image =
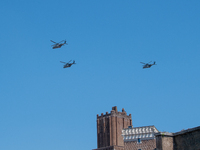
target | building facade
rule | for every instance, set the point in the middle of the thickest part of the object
(184, 140)
(139, 138)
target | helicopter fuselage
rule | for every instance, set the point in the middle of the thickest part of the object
(67, 65)
(147, 66)
(57, 46)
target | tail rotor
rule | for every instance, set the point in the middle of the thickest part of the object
(65, 42)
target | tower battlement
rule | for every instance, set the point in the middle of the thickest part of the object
(115, 112)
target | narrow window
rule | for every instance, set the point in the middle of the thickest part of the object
(139, 141)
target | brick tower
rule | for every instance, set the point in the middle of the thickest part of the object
(109, 129)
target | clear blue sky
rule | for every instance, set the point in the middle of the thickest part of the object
(46, 107)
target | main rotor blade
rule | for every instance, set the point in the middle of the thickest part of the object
(70, 61)
(150, 61)
(52, 41)
(63, 62)
(61, 41)
(142, 63)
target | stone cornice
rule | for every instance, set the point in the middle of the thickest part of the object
(144, 133)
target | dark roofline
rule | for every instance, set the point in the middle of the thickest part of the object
(188, 130)
(177, 133)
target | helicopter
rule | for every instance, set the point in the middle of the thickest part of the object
(58, 45)
(147, 65)
(68, 64)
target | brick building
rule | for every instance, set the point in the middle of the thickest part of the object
(139, 138)
(184, 140)
(115, 132)
(109, 129)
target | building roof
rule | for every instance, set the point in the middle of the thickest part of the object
(178, 133)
